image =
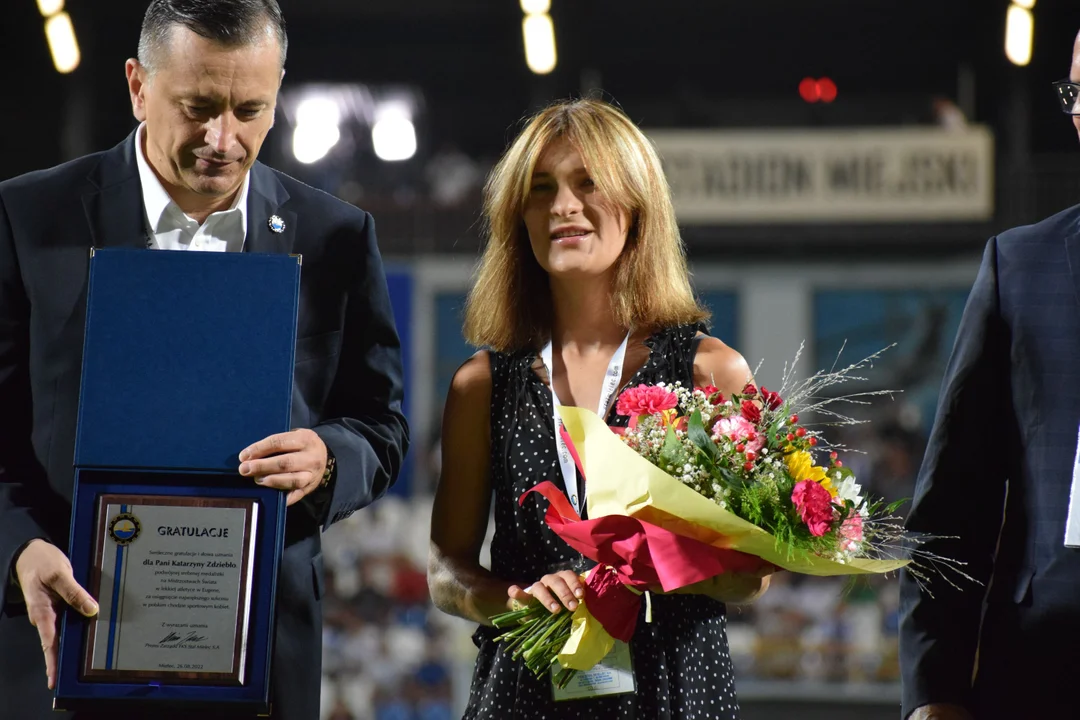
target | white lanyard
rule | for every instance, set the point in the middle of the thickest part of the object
(611, 383)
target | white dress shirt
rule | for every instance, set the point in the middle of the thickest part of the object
(169, 228)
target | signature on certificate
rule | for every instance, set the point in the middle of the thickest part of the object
(172, 637)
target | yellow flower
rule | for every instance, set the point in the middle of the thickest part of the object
(800, 466)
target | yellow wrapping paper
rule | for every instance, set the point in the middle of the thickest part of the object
(589, 642)
(621, 482)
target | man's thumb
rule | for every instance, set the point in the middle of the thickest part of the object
(75, 596)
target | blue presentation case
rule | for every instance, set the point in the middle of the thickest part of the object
(188, 359)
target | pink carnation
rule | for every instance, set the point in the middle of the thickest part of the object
(852, 531)
(645, 400)
(739, 429)
(814, 505)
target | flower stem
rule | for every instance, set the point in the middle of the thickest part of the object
(513, 617)
(563, 678)
(535, 635)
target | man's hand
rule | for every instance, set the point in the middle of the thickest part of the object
(939, 711)
(44, 574)
(293, 461)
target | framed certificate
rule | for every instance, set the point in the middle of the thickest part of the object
(173, 575)
(181, 552)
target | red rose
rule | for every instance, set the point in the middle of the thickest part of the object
(751, 412)
(712, 394)
(749, 389)
(772, 399)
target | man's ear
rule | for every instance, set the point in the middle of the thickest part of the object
(273, 118)
(137, 78)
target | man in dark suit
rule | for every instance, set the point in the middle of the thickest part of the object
(204, 88)
(1000, 468)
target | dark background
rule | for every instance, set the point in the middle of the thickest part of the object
(676, 63)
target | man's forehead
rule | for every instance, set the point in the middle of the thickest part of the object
(183, 46)
(250, 69)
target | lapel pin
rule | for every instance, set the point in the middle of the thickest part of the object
(276, 224)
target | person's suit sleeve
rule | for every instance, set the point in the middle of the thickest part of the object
(18, 511)
(960, 492)
(368, 435)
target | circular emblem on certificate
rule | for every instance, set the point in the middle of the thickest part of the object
(124, 528)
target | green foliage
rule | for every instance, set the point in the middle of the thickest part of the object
(695, 429)
(672, 454)
(894, 506)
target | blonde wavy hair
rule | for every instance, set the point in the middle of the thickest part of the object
(509, 306)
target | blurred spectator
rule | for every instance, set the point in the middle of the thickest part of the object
(896, 462)
(426, 477)
(948, 114)
(340, 712)
(453, 177)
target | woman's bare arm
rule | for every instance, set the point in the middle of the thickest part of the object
(457, 582)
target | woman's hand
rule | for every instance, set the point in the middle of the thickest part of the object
(735, 588)
(554, 591)
(738, 588)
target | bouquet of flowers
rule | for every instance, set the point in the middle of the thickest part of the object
(699, 484)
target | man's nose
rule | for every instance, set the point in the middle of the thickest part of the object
(221, 133)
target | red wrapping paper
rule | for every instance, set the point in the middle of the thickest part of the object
(641, 556)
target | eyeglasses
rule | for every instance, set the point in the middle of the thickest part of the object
(1068, 94)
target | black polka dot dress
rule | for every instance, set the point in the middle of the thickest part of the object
(682, 668)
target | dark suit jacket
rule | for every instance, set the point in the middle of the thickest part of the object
(1000, 463)
(348, 382)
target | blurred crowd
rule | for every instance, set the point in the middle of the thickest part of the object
(387, 653)
(818, 629)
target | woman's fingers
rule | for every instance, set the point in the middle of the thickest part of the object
(554, 591)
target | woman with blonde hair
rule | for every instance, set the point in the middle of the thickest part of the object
(582, 289)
